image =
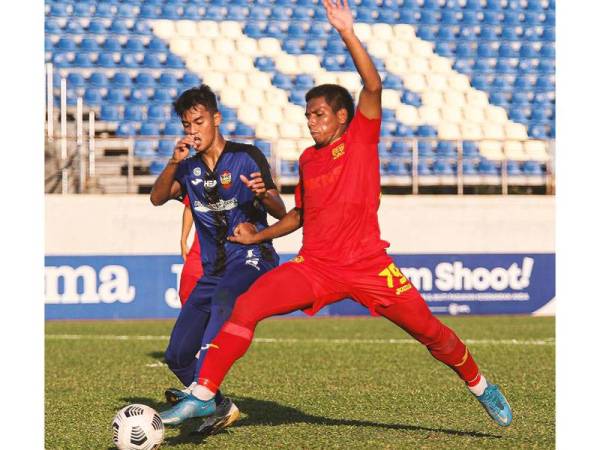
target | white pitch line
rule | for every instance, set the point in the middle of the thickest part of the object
(108, 337)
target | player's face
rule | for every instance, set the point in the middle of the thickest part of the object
(324, 124)
(202, 124)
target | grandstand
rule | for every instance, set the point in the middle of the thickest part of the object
(469, 86)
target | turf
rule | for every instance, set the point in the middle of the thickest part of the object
(330, 383)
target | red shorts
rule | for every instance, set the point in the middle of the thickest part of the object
(191, 272)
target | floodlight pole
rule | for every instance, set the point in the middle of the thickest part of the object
(49, 101)
(63, 136)
(80, 149)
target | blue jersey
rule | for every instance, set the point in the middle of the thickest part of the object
(220, 201)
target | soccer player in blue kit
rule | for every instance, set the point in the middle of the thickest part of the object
(228, 184)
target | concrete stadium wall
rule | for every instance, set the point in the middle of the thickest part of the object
(130, 225)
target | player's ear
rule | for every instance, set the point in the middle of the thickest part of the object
(217, 117)
(342, 115)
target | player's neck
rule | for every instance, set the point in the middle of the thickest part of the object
(211, 155)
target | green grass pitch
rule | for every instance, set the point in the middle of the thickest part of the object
(326, 383)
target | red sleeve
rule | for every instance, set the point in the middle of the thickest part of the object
(298, 194)
(186, 201)
(364, 130)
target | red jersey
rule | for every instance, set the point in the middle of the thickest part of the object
(338, 192)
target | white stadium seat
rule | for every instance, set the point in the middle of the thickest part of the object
(491, 150)
(266, 130)
(287, 64)
(452, 114)
(363, 31)
(429, 115)
(260, 80)
(304, 143)
(290, 130)
(459, 82)
(243, 63)
(432, 98)
(276, 96)
(269, 46)
(203, 45)
(470, 131)
(404, 32)
(350, 80)
(236, 80)
(208, 28)
(400, 48)
(325, 78)
(181, 46)
(271, 113)
(536, 150)
(219, 63)
(309, 64)
(397, 65)
(216, 80)
(390, 99)
(197, 63)
(164, 29)
(476, 98)
(231, 97)
(496, 114)
(436, 81)
(448, 131)
(246, 46)
(514, 150)
(253, 96)
(515, 131)
(286, 149)
(415, 82)
(382, 32)
(186, 28)
(224, 46)
(378, 48)
(454, 98)
(231, 29)
(473, 114)
(418, 64)
(249, 114)
(407, 114)
(492, 130)
(294, 114)
(440, 65)
(422, 48)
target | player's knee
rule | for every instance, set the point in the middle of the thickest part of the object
(177, 357)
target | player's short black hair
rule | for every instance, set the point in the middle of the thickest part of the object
(201, 95)
(335, 95)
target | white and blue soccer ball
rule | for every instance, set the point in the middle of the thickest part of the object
(137, 427)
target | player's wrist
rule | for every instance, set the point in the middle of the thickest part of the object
(173, 161)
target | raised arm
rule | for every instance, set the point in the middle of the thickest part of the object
(166, 186)
(288, 224)
(340, 17)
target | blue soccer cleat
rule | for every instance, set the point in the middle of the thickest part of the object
(496, 405)
(174, 395)
(188, 408)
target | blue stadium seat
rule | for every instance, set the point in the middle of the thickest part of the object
(190, 79)
(401, 148)
(546, 66)
(314, 47)
(282, 81)
(82, 60)
(89, 45)
(109, 113)
(66, 44)
(74, 26)
(388, 115)
(488, 33)
(148, 11)
(111, 45)
(501, 83)
(96, 26)
(511, 18)
(296, 31)
(152, 61)
(318, 30)
(134, 45)
(506, 50)
(464, 50)
(156, 113)
(252, 29)
(363, 14)
(410, 98)
(409, 15)
(487, 167)
(526, 66)
(550, 19)
(335, 46)
(75, 80)
(427, 17)
(59, 9)
(162, 95)
(492, 18)
(173, 128)
(174, 61)
(170, 12)
(445, 34)
(121, 80)
(390, 16)
(449, 17)
(446, 149)
(264, 147)
(473, 5)
(468, 168)
(480, 82)
(217, 13)
(423, 168)
(498, 98)
(116, 96)
(143, 148)
(126, 129)
(106, 60)
(518, 115)
(103, 10)
(442, 167)
(256, 13)
(505, 66)
(392, 81)
(509, 33)
(527, 50)
(142, 27)
(532, 18)
(532, 168)
(331, 63)
(470, 149)
(443, 49)
(274, 29)
(243, 130)
(540, 114)
(133, 113)
(168, 80)
(403, 130)
(426, 33)
(411, 4)
(547, 50)
(513, 169)
(431, 4)
(149, 129)
(304, 81)
(125, 10)
(129, 60)
(301, 13)
(297, 97)
(51, 26)
(519, 98)
(165, 147)
(469, 18)
(98, 80)
(156, 166)
(157, 45)
(138, 96)
(548, 34)
(92, 97)
(538, 131)
(426, 131)
(118, 26)
(280, 13)
(486, 50)
(382, 149)
(293, 46)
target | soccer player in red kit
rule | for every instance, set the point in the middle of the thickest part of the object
(342, 254)
(192, 261)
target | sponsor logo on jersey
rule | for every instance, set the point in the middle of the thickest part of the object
(252, 260)
(197, 171)
(196, 181)
(226, 179)
(210, 184)
(221, 205)
(337, 151)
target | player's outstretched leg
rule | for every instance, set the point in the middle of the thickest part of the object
(413, 315)
(188, 408)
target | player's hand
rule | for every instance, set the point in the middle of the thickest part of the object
(339, 15)
(244, 233)
(255, 184)
(182, 148)
(184, 250)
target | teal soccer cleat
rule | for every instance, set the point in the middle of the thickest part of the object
(496, 405)
(188, 408)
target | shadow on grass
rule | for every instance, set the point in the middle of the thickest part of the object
(269, 413)
(157, 355)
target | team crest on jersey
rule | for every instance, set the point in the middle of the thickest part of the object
(197, 171)
(298, 259)
(337, 151)
(226, 179)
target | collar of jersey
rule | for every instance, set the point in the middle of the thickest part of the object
(336, 142)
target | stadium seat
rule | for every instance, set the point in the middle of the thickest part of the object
(96, 26)
(173, 128)
(445, 34)
(156, 113)
(547, 51)
(152, 61)
(532, 168)
(149, 129)
(143, 148)
(138, 96)
(125, 10)
(427, 33)
(469, 18)
(442, 167)
(106, 60)
(74, 27)
(423, 168)
(118, 26)
(449, 17)
(486, 167)
(401, 148)
(109, 113)
(170, 12)
(92, 97)
(470, 149)
(133, 113)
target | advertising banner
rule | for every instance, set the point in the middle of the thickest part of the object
(142, 287)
